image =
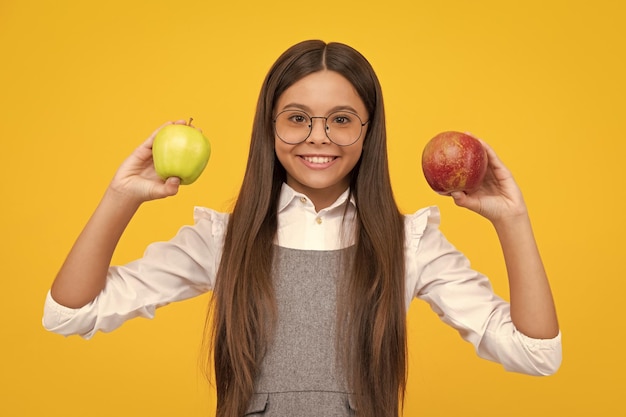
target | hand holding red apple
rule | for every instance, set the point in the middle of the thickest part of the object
(473, 175)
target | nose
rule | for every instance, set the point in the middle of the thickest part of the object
(318, 133)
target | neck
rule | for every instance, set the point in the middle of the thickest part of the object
(321, 198)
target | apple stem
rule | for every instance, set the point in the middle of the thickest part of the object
(190, 120)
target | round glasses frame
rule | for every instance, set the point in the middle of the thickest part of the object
(327, 128)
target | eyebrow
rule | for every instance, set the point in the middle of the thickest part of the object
(307, 109)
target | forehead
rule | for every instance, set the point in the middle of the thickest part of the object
(321, 92)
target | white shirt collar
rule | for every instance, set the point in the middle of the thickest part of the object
(288, 195)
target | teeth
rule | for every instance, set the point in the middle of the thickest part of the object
(318, 159)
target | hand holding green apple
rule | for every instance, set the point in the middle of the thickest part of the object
(180, 151)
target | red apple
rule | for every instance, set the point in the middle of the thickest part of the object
(454, 161)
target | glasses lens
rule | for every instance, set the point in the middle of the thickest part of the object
(344, 127)
(293, 126)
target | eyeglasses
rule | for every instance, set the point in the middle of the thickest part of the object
(343, 128)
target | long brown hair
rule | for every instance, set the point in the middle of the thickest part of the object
(372, 315)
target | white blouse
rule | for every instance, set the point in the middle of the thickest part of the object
(436, 272)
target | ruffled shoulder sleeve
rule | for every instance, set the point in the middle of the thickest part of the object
(217, 220)
(415, 225)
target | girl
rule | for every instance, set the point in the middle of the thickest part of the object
(314, 269)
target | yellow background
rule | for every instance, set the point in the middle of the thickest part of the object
(82, 83)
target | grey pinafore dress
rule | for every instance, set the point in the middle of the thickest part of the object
(299, 374)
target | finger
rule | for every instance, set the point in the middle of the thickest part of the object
(168, 188)
(461, 199)
(457, 195)
(148, 142)
(172, 184)
(497, 167)
(491, 153)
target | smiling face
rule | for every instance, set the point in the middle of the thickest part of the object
(317, 167)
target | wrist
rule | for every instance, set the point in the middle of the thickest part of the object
(512, 224)
(121, 200)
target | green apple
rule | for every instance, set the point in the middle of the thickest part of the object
(180, 151)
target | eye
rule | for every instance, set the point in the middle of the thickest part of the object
(341, 119)
(297, 118)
